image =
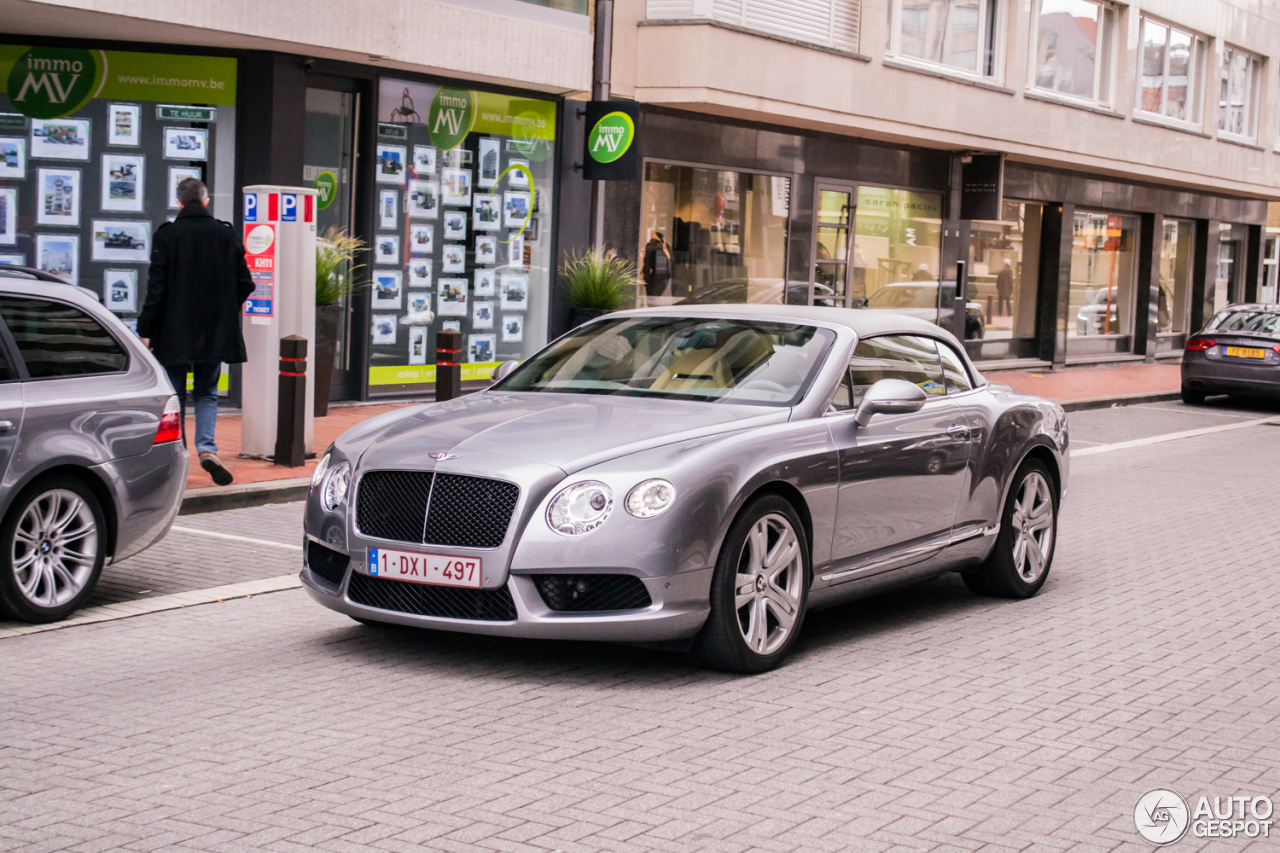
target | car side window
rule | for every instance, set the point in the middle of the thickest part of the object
(56, 339)
(954, 370)
(905, 357)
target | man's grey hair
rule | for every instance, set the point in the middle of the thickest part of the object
(192, 191)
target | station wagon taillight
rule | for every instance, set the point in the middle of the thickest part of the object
(170, 422)
(1200, 344)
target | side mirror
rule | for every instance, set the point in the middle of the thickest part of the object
(502, 371)
(890, 397)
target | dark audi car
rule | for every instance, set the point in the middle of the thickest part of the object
(1237, 353)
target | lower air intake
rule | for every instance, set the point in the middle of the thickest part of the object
(594, 593)
(420, 599)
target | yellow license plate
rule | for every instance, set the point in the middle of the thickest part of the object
(1246, 352)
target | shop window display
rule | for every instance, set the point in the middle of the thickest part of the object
(463, 178)
(1175, 275)
(1004, 261)
(1103, 269)
(86, 179)
(897, 238)
(709, 236)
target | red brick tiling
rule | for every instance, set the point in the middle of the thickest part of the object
(327, 429)
(1081, 383)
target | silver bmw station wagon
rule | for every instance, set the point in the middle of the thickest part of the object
(697, 475)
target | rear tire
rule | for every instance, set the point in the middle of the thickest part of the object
(759, 590)
(53, 544)
(1023, 554)
(1192, 397)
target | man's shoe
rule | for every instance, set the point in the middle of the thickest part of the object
(211, 463)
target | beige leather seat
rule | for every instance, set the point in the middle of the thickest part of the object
(692, 370)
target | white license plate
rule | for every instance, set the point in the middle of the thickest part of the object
(424, 568)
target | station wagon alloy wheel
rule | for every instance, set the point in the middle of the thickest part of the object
(1033, 527)
(55, 548)
(767, 587)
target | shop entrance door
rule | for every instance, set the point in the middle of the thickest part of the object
(829, 274)
(329, 154)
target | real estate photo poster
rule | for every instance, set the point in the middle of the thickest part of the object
(59, 254)
(13, 157)
(122, 187)
(8, 216)
(59, 199)
(60, 138)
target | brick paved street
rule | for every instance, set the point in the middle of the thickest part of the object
(925, 719)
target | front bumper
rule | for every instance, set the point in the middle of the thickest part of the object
(680, 604)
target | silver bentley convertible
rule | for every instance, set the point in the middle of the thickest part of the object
(698, 476)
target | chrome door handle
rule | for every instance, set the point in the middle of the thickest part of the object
(5, 426)
(958, 432)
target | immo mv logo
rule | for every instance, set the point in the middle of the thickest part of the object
(611, 137)
(48, 82)
(452, 115)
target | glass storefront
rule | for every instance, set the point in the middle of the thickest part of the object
(462, 229)
(1176, 260)
(327, 156)
(710, 235)
(896, 248)
(1227, 285)
(83, 189)
(1004, 269)
(1103, 268)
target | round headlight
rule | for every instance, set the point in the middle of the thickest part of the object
(321, 467)
(336, 486)
(580, 509)
(650, 498)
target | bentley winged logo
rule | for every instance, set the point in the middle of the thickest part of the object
(440, 457)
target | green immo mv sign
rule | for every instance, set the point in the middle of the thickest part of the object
(611, 150)
(51, 82)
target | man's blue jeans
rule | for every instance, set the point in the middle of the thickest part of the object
(204, 390)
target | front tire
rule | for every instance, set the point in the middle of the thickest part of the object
(1019, 563)
(759, 590)
(52, 547)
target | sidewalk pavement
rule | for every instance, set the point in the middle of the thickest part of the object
(259, 482)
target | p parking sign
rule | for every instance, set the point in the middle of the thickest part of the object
(612, 150)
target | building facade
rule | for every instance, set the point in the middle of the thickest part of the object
(798, 151)
(813, 151)
(431, 130)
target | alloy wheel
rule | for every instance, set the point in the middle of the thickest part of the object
(55, 548)
(769, 584)
(1032, 527)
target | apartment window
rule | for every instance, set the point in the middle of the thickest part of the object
(1238, 107)
(1075, 50)
(1170, 72)
(829, 23)
(955, 34)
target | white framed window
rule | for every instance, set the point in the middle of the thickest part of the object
(954, 35)
(1171, 73)
(1075, 47)
(1238, 102)
(828, 23)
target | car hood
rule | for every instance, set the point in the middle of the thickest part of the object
(568, 431)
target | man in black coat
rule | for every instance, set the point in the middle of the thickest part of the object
(191, 318)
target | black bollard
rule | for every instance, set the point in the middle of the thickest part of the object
(448, 365)
(291, 423)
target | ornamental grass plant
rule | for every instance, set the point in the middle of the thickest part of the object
(335, 265)
(598, 281)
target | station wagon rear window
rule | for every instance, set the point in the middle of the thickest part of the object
(753, 362)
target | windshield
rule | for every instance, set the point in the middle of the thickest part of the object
(1259, 322)
(734, 361)
(905, 296)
